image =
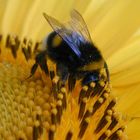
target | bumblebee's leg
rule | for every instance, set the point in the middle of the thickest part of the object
(42, 61)
(62, 72)
(90, 77)
(33, 70)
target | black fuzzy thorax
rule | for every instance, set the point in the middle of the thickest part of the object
(64, 54)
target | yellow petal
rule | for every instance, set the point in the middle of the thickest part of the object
(125, 64)
(128, 100)
(133, 130)
(113, 23)
(128, 104)
(14, 14)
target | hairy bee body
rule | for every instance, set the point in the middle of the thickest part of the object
(64, 54)
(73, 51)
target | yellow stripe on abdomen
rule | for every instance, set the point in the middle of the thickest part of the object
(93, 66)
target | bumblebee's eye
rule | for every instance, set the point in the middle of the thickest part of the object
(56, 41)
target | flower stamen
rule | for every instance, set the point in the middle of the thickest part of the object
(69, 136)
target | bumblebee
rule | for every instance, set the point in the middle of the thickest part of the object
(71, 48)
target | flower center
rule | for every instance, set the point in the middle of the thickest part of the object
(35, 108)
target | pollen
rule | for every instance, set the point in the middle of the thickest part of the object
(38, 108)
(56, 41)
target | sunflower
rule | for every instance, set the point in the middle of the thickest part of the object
(32, 108)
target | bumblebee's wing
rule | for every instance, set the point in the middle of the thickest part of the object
(64, 32)
(79, 25)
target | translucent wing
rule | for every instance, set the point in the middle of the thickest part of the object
(67, 34)
(79, 25)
